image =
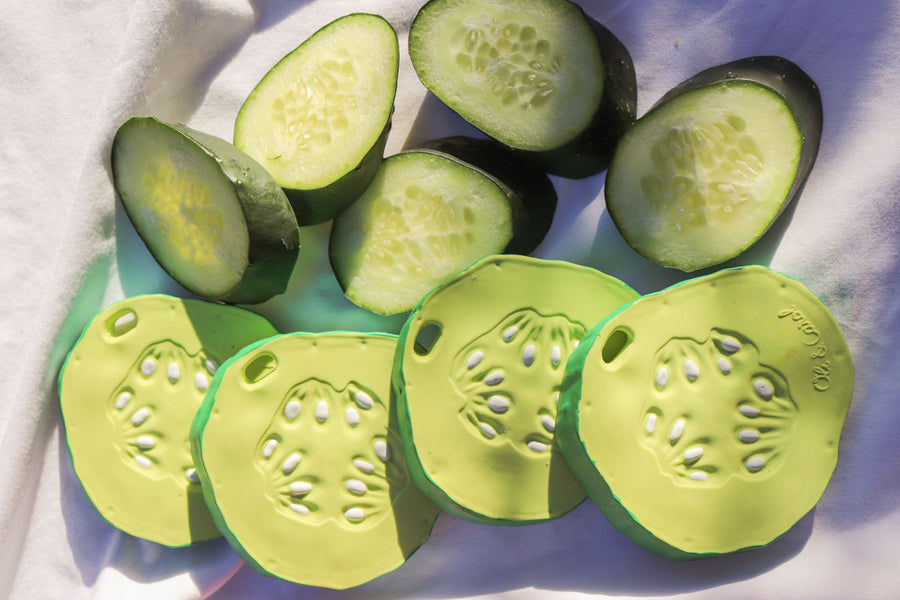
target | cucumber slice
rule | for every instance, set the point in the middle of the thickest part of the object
(128, 392)
(424, 218)
(702, 176)
(301, 463)
(538, 75)
(209, 214)
(477, 374)
(319, 119)
(724, 395)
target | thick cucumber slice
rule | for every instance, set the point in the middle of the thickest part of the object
(705, 418)
(537, 75)
(319, 119)
(702, 176)
(210, 215)
(129, 390)
(424, 218)
(301, 462)
(477, 377)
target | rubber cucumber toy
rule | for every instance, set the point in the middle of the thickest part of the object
(702, 176)
(129, 390)
(423, 219)
(319, 119)
(705, 418)
(538, 75)
(212, 217)
(301, 462)
(477, 377)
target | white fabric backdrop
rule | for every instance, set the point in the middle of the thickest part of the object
(72, 71)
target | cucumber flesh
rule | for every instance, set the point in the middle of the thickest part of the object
(210, 215)
(128, 392)
(703, 175)
(423, 219)
(318, 120)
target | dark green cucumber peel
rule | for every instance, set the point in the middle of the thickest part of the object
(271, 228)
(798, 93)
(531, 193)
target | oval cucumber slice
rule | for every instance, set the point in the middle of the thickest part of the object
(477, 376)
(301, 462)
(537, 75)
(724, 395)
(423, 219)
(128, 392)
(210, 215)
(319, 119)
(702, 176)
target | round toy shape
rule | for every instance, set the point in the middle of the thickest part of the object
(301, 462)
(477, 377)
(724, 395)
(129, 390)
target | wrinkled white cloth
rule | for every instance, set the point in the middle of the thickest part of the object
(72, 72)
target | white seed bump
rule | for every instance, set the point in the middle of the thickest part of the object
(290, 463)
(145, 442)
(677, 431)
(142, 461)
(299, 488)
(692, 454)
(474, 359)
(321, 411)
(139, 416)
(299, 508)
(724, 365)
(147, 367)
(355, 486)
(488, 431)
(494, 377)
(755, 463)
(124, 323)
(354, 514)
(528, 355)
(269, 448)
(498, 404)
(292, 409)
(510, 333)
(211, 366)
(363, 465)
(575, 344)
(729, 344)
(691, 370)
(651, 422)
(763, 388)
(381, 449)
(662, 377)
(123, 400)
(748, 436)
(364, 400)
(352, 417)
(536, 446)
(557, 398)
(201, 382)
(699, 476)
(173, 373)
(192, 474)
(749, 411)
(548, 423)
(555, 355)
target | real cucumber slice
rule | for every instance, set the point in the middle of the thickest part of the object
(319, 119)
(538, 75)
(302, 465)
(128, 392)
(477, 376)
(210, 215)
(705, 418)
(424, 218)
(702, 176)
